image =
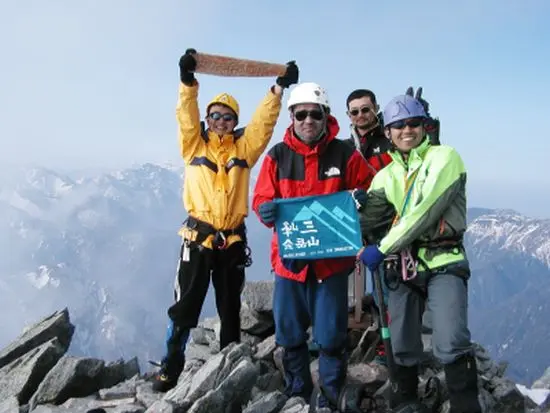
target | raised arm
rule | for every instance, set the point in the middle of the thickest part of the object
(187, 109)
(259, 131)
(187, 114)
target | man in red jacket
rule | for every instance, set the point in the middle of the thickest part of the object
(310, 161)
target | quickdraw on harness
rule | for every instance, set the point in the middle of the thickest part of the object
(404, 259)
(204, 230)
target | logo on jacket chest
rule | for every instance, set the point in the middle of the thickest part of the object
(332, 171)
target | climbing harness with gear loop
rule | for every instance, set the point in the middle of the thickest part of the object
(219, 242)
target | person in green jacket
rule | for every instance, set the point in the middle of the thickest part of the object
(423, 193)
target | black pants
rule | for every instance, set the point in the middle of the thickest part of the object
(193, 278)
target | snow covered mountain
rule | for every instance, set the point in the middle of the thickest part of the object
(509, 288)
(106, 246)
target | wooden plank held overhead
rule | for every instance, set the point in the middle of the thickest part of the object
(233, 67)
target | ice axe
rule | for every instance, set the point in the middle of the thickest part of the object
(432, 394)
(384, 327)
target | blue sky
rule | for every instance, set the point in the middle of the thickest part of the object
(94, 83)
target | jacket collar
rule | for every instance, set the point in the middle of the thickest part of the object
(416, 155)
(302, 148)
(216, 140)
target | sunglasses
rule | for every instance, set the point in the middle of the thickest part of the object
(227, 117)
(412, 123)
(313, 114)
(363, 110)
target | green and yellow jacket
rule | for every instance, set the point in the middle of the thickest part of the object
(426, 197)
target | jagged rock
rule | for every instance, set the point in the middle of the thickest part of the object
(508, 399)
(197, 385)
(128, 408)
(9, 405)
(255, 323)
(22, 376)
(211, 323)
(234, 354)
(251, 339)
(544, 381)
(242, 377)
(258, 296)
(50, 408)
(295, 405)
(269, 379)
(79, 402)
(92, 402)
(367, 373)
(214, 347)
(202, 336)
(197, 352)
(122, 390)
(70, 377)
(266, 348)
(57, 325)
(118, 371)
(145, 394)
(270, 403)
(233, 390)
(162, 406)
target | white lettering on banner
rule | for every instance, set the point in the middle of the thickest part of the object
(305, 243)
(289, 228)
(288, 245)
(310, 227)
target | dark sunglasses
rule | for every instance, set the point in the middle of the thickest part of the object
(412, 123)
(313, 114)
(363, 110)
(228, 117)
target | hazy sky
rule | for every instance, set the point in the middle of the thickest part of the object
(94, 83)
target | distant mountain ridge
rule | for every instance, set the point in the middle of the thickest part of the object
(106, 245)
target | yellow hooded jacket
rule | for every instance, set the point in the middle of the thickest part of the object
(217, 169)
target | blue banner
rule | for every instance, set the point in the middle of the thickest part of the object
(314, 227)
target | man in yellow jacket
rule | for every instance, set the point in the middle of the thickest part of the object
(218, 159)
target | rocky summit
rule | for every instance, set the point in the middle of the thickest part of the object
(37, 374)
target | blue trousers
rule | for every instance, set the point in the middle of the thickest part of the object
(324, 306)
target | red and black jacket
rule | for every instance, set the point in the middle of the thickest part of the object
(293, 169)
(374, 147)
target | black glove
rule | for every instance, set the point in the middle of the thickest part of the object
(291, 75)
(188, 64)
(418, 96)
(432, 126)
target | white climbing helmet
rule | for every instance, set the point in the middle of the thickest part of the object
(308, 92)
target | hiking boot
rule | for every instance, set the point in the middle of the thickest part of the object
(319, 403)
(461, 378)
(174, 360)
(297, 374)
(404, 391)
(168, 375)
